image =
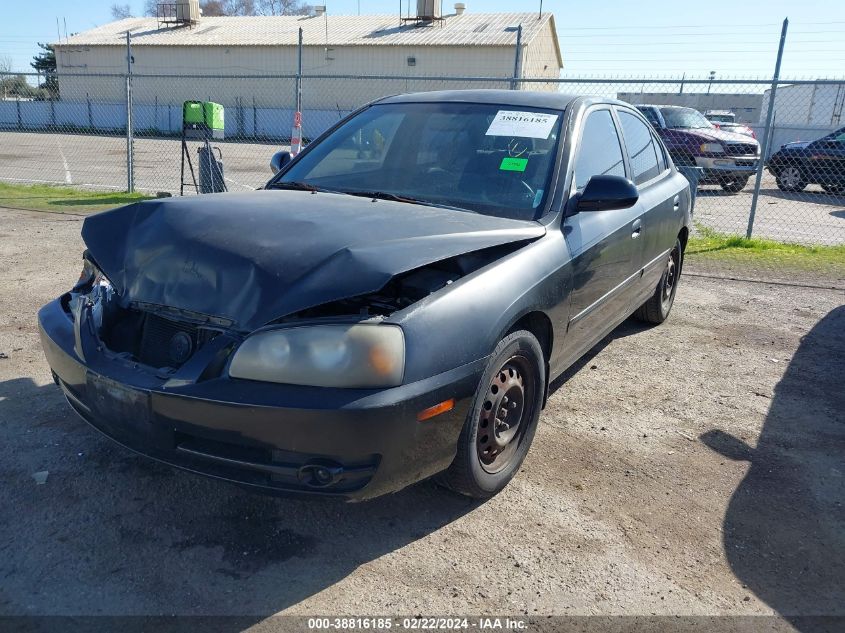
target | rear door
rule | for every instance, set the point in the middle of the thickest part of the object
(829, 159)
(660, 198)
(604, 245)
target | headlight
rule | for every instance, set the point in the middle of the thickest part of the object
(712, 148)
(353, 356)
(90, 276)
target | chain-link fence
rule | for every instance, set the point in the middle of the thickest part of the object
(79, 136)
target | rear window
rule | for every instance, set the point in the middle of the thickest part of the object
(641, 150)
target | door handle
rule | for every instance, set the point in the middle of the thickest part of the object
(636, 229)
(676, 203)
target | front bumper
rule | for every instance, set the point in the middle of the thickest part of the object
(727, 165)
(268, 436)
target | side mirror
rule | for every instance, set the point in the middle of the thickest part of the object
(279, 160)
(605, 193)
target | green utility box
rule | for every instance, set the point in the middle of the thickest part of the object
(203, 119)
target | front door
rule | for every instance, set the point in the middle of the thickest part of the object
(604, 245)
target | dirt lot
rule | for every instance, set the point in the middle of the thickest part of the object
(693, 468)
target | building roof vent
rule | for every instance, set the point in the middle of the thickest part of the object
(460, 7)
(182, 13)
(428, 10)
(320, 10)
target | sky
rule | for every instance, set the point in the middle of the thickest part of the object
(610, 38)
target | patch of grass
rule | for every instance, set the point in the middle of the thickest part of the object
(63, 199)
(708, 244)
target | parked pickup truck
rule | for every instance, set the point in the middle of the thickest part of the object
(727, 158)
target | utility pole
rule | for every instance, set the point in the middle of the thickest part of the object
(517, 59)
(296, 135)
(767, 135)
(712, 76)
(130, 163)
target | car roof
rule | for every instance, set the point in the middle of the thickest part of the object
(660, 105)
(519, 98)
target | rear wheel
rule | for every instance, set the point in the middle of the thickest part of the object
(791, 179)
(503, 419)
(734, 184)
(656, 309)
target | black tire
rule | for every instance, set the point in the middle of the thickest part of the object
(834, 188)
(734, 185)
(656, 309)
(474, 473)
(791, 179)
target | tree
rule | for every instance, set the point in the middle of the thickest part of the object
(45, 63)
(121, 11)
(238, 7)
(283, 7)
(212, 8)
(16, 86)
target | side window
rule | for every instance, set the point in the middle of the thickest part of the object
(663, 163)
(599, 152)
(641, 149)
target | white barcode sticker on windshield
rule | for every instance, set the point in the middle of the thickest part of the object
(524, 124)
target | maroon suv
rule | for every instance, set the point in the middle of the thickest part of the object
(727, 158)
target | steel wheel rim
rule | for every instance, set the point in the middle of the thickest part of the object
(791, 176)
(505, 413)
(670, 277)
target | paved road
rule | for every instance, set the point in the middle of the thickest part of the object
(812, 217)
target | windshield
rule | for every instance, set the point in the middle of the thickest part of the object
(489, 159)
(684, 118)
(721, 118)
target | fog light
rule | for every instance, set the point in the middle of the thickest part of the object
(322, 476)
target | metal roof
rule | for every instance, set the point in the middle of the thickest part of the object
(469, 29)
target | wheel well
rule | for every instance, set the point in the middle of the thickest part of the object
(541, 327)
(539, 324)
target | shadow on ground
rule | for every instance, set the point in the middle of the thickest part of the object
(113, 533)
(818, 196)
(784, 530)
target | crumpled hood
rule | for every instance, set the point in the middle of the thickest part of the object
(255, 257)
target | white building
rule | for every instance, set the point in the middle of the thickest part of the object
(174, 63)
(817, 105)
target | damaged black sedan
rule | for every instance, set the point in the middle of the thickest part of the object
(393, 304)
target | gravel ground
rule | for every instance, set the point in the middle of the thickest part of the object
(692, 468)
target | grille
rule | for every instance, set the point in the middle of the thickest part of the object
(166, 343)
(741, 149)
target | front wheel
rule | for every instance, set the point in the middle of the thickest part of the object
(656, 309)
(734, 185)
(791, 179)
(503, 419)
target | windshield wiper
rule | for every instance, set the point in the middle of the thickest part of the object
(384, 195)
(299, 186)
